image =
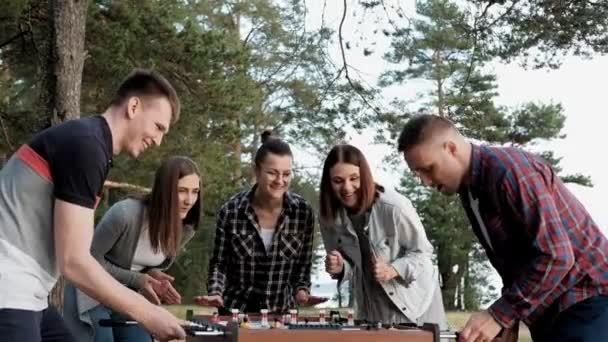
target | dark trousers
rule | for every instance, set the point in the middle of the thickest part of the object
(585, 321)
(33, 326)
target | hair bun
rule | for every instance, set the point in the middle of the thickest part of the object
(266, 136)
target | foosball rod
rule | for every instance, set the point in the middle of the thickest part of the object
(449, 335)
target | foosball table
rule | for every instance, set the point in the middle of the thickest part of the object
(291, 328)
(266, 327)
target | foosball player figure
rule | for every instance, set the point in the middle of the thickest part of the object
(293, 319)
(322, 316)
(351, 317)
(264, 321)
(277, 323)
(189, 314)
(235, 315)
(245, 323)
(335, 317)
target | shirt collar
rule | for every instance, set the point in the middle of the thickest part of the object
(475, 177)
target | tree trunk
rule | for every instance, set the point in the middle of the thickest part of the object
(437, 60)
(68, 55)
(63, 75)
(450, 281)
(466, 285)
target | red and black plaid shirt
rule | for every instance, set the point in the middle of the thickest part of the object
(241, 268)
(542, 241)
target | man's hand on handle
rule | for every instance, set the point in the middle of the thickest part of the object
(481, 327)
(162, 324)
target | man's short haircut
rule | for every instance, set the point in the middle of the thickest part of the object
(420, 128)
(141, 82)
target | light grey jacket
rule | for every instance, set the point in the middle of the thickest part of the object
(114, 243)
(397, 236)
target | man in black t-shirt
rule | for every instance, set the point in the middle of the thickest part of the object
(48, 192)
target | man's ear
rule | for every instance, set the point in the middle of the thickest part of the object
(451, 147)
(133, 106)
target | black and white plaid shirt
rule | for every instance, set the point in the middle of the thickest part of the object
(241, 269)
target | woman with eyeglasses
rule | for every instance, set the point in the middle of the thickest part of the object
(263, 242)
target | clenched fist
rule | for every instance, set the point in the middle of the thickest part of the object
(334, 262)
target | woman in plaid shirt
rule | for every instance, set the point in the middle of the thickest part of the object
(263, 241)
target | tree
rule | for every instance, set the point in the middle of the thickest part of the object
(537, 33)
(63, 74)
(541, 32)
(239, 67)
(65, 59)
(24, 33)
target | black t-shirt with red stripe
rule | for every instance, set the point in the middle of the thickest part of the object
(78, 154)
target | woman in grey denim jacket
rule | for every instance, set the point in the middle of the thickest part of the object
(374, 238)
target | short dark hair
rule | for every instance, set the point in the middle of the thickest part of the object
(420, 128)
(163, 213)
(141, 82)
(329, 202)
(272, 145)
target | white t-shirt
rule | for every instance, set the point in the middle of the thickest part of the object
(144, 254)
(267, 235)
(474, 202)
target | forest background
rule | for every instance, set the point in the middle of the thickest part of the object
(243, 66)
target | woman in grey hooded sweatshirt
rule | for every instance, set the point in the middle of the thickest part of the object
(135, 241)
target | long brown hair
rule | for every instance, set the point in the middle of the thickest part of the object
(367, 191)
(162, 205)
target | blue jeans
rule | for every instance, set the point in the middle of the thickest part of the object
(33, 326)
(130, 333)
(586, 321)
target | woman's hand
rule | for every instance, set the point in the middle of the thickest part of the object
(334, 262)
(146, 285)
(214, 300)
(165, 290)
(382, 270)
(302, 297)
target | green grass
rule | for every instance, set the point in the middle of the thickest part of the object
(456, 319)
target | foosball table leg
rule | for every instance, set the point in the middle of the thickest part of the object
(434, 328)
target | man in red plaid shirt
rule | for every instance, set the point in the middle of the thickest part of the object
(551, 256)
